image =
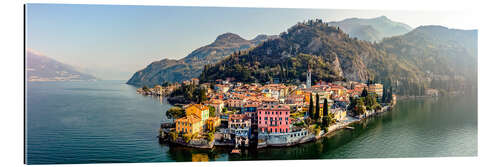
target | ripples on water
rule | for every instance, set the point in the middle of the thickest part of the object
(106, 121)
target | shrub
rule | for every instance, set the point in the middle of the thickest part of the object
(210, 137)
(186, 138)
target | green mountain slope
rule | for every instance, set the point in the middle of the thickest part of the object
(331, 53)
(168, 70)
(412, 60)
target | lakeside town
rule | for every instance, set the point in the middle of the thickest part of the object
(243, 115)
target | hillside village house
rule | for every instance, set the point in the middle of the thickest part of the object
(234, 103)
(338, 90)
(274, 118)
(377, 89)
(217, 104)
(357, 89)
(195, 81)
(240, 126)
(158, 90)
(251, 111)
(221, 88)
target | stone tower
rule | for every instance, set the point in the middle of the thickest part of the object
(308, 83)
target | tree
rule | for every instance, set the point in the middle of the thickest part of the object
(173, 135)
(325, 123)
(325, 108)
(165, 84)
(360, 106)
(202, 95)
(210, 137)
(311, 106)
(352, 103)
(211, 110)
(384, 94)
(389, 96)
(175, 112)
(364, 93)
(317, 112)
(187, 138)
(370, 100)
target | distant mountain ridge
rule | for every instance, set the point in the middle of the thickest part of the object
(444, 58)
(373, 29)
(43, 68)
(168, 70)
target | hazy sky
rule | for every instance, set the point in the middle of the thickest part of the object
(113, 41)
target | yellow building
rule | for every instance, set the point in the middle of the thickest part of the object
(197, 116)
(212, 123)
(201, 111)
(377, 89)
(188, 125)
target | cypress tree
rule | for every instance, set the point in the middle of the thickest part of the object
(316, 115)
(311, 106)
(364, 93)
(325, 108)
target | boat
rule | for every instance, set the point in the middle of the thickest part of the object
(236, 151)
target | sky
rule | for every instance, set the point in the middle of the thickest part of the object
(112, 42)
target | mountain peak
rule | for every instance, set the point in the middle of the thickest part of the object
(229, 37)
(382, 17)
(260, 37)
(263, 37)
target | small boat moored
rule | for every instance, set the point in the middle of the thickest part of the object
(236, 151)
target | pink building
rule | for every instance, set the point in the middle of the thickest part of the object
(274, 118)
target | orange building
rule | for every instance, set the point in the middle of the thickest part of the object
(201, 111)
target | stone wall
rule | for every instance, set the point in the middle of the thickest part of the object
(285, 139)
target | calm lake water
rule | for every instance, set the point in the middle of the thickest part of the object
(107, 122)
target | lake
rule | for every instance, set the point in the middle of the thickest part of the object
(108, 122)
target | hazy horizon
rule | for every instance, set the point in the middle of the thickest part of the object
(112, 42)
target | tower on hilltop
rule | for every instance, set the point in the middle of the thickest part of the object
(308, 83)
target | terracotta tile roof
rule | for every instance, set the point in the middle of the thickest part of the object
(189, 119)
